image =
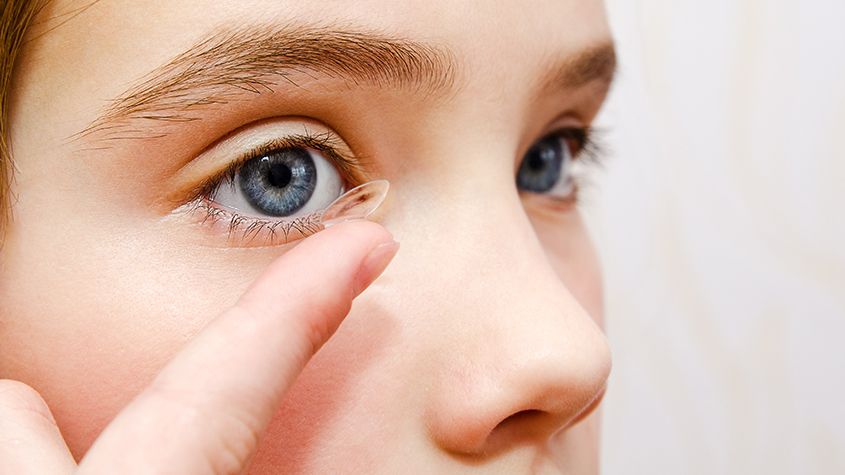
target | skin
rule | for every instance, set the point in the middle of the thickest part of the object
(478, 350)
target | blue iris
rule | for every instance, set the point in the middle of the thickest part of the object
(279, 183)
(541, 167)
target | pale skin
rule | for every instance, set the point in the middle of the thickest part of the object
(134, 338)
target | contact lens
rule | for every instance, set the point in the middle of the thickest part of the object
(358, 203)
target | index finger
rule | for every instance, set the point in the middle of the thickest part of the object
(207, 408)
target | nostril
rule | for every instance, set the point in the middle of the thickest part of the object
(527, 426)
(526, 417)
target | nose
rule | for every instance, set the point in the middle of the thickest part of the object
(517, 357)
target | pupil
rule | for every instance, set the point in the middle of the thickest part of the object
(279, 183)
(536, 162)
(280, 175)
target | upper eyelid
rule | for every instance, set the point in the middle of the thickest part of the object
(582, 134)
(349, 167)
(323, 142)
(199, 175)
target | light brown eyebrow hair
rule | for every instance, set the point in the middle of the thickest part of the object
(232, 63)
(593, 64)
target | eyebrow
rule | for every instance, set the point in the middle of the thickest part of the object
(231, 63)
(593, 64)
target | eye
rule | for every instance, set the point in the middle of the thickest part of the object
(547, 166)
(285, 182)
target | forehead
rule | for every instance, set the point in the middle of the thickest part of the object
(455, 19)
(478, 32)
(100, 50)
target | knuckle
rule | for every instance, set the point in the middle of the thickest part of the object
(230, 435)
(235, 443)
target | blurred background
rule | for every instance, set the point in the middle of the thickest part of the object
(720, 223)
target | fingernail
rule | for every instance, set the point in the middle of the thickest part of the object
(374, 265)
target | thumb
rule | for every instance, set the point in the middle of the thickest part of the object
(30, 441)
(207, 409)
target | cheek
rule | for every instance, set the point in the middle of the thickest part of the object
(90, 318)
(572, 255)
(345, 400)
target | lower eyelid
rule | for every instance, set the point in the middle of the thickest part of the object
(248, 231)
(232, 229)
(557, 205)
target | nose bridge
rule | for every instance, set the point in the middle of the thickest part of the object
(513, 353)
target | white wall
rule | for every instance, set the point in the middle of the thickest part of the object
(721, 223)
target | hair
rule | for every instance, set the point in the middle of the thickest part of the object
(16, 18)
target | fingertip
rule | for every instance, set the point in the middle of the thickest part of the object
(358, 229)
(326, 268)
(374, 264)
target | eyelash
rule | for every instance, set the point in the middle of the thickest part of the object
(585, 149)
(589, 151)
(589, 147)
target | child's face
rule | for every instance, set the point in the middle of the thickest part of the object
(479, 342)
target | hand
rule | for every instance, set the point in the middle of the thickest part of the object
(205, 412)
